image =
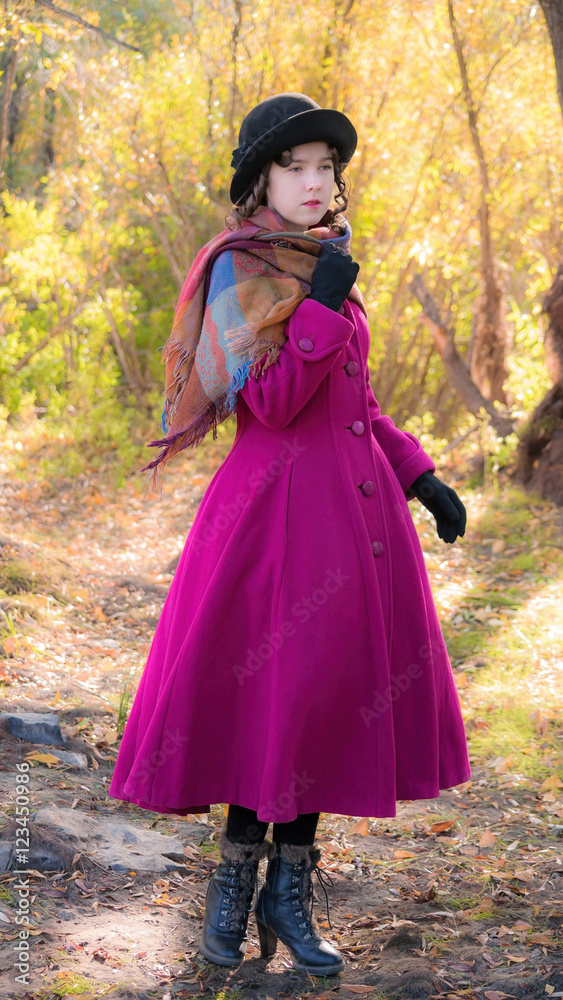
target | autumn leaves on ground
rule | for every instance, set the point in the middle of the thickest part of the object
(458, 896)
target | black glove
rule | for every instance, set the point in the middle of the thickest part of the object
(444, 503)
(334, 274)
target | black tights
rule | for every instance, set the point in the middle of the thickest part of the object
(244, 827)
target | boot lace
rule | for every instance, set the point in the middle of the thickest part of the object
(303, 887)
(241, 881)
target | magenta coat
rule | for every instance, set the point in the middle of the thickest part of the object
(299, 665)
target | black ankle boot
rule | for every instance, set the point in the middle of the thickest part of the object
(282, 910)
(228, 901)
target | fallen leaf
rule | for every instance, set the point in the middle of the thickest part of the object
(356, 989)
(490, 959)
(540, 939)
(107, 738)
(362, 826)
(504, 763)
(426, 895)
(553, 781)
(488, 839)
(43, 758)
(404, 854)
(446, 825)
(465, 786)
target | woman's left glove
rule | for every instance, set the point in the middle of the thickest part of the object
(443, 503)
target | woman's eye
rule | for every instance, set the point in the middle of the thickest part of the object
(326, 166)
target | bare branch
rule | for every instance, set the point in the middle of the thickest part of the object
(85, 24)
(454, 364)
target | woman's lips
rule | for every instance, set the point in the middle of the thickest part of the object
(313, 204)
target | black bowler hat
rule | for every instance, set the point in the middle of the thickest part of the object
(281, 122)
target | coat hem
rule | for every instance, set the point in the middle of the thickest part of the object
(430, 791)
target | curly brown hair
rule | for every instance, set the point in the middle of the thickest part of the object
(259, 186)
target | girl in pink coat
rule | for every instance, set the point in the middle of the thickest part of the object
(298, 666)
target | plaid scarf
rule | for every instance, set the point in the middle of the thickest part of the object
(230, 320)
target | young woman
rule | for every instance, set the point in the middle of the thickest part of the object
(298, 665)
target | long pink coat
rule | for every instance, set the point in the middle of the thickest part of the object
(299, 665)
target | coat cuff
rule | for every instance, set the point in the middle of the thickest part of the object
(413, 467)
(317, 331)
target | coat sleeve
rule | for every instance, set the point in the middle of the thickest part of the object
(402, 449)
(316, 336)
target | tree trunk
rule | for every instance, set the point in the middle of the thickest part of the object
(490, 339)
(553, 13)
(458, 373)
(540, 453)
(9, 75)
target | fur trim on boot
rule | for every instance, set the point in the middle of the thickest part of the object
(296, 854)
(241, 852)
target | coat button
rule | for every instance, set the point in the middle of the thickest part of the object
(377, 548)
(358, 427)
(305, 344)
(352, 368)
(367, 488)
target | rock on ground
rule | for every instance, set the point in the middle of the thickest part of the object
(122, 847)
(34, 727)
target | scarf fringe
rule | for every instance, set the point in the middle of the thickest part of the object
(180, 374)
(189, 437)
(238, 379)
(242, 338)
(192, 436)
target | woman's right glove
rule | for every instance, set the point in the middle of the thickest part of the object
(334, 274)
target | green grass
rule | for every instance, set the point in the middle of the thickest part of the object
(125, 699)
(513, 697)
(70, 984)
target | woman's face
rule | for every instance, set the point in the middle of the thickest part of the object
(301, 192)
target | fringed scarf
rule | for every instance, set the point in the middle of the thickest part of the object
(230, 321)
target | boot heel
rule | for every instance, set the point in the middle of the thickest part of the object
(268, 940)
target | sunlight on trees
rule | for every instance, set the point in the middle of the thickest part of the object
(116, 166)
